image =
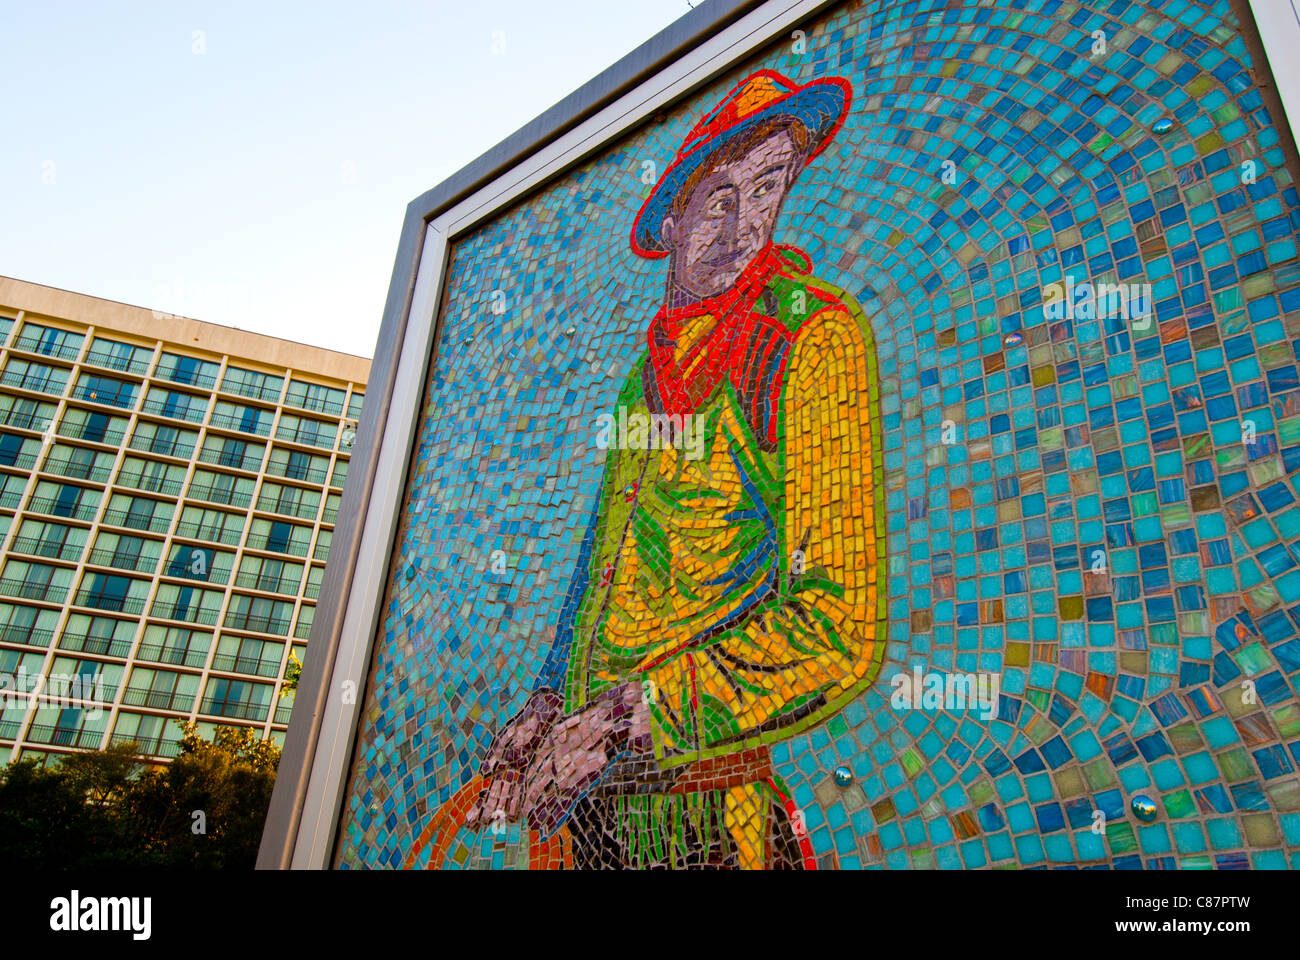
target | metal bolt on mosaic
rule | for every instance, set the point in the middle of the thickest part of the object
(887, 458)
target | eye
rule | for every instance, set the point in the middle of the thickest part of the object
(718, 207)
(764, 187)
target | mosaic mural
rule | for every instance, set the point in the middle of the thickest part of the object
(887, 458)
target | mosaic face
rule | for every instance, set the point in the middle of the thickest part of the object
(885, 460)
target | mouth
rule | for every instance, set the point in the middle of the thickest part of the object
(724, 260)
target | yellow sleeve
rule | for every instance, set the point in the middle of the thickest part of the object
(815, 636)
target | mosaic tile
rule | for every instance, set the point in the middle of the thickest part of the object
(887, 458)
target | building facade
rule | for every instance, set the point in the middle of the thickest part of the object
(168, 491)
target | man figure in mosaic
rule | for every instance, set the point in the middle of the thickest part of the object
(726, 599)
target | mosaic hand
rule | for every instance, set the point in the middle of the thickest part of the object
(512, 751)
(577, 750)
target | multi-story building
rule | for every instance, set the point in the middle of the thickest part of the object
(168, 490)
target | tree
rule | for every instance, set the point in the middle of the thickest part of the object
(292, 674)
(204, 810)
(46, 822)
(103, 775)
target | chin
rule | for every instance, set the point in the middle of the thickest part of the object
(724, 282)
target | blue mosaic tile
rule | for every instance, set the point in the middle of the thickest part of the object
(1095, 505)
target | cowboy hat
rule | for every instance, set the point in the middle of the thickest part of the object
(819, 105)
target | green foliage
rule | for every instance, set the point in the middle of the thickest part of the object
(204, 810)
(46, 821)
(103, 776)
(238, 743)
(292, 674)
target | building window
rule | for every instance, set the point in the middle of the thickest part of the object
(118, 356)
(188, 370)
(315, 396)
(252, 384)
(50, 341)
(106, 390)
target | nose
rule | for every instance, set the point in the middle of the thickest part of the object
(728, 234)
(725, 247)
(750, 225)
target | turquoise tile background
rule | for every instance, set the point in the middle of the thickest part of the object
(1086, 436)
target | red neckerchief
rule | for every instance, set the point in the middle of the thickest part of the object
(684, 385)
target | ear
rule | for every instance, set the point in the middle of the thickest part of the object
(667, 230)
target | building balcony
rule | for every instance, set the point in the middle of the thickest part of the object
(170, 611)
(307, 438)
(25, 420)
(175, 656)
(235, 709)
(225, 421)
(100, 646)
(150, 746)
(331, 408)
(111, 436)
(264, 392)
(64, 736)
(19, 461)
(164, 408)
(204, 381)
(133, 364)
(151, 523)
(122, 561)
(122, 399)
(157, 699)
(54, 550)
(269, 584)
(181, 450)
(27, 590)
(214, 494)
(206, 532)
(297, 472)
(25, 636)
(39, 383)
(258, 623)
(63, 351)
(51, 506)
(252, 666)
(286, 507)
(236, 461)
(270, 544)
(111, 602)
(78, 469)
(154, 483)
(214, 577)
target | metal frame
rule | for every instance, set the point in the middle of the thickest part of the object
(302, 824)
(1272, 34)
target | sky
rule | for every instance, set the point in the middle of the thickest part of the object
(249, 163)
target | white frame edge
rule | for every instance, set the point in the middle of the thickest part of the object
(1279, 30)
